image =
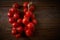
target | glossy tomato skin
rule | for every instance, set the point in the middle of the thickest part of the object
(25, 10)
(15, 5)
(28, 13)
(14, 31)
(28, 33)
(15, 24)
(12, 10)
(10, 15)
(25, 4)
(32, 8)
(13, 28)
(30, 26)
(11, 20)
(25, 21)
(25, 16)
(34, 21)
(19, 21)
(18, 35)
(16, 16)
(19, 29)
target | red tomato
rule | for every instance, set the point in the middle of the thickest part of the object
(25, 10)
(13, 28)
(25, 20)
(31, 26)
(14, 24)
(14, 31)
(25, 4)
(15, 5)
(11, 20)
(16, 16)
(29, 13)
(19, 21)
(12, 10)
(34, 21)
(28, 33)
(33, 16)
(10, 15)
(19, 29)
(18, 35)
(31, 8)
(25, 16)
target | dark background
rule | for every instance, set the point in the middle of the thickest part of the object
(47, 13)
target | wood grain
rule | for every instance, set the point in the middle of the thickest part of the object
(47, 15)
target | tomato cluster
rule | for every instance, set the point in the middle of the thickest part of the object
(23, 22)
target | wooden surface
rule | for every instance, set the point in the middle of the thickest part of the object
(47, 14)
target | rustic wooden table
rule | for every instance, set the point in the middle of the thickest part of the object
(47, 14)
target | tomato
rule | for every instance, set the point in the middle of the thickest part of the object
(14, 31)
(19, 20)
(18, 35)
(12, 10)
(16, 16)
(34, 21)
(28, 33)
(10, 15)
(13, 28)
(15, 24)
(25, 20)
(25, 4)
(19, 29)
(25, 10)
(25, 16)
(15, 5)
(30, 26)
(11, 20)
(31, 8)
(29, 13)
